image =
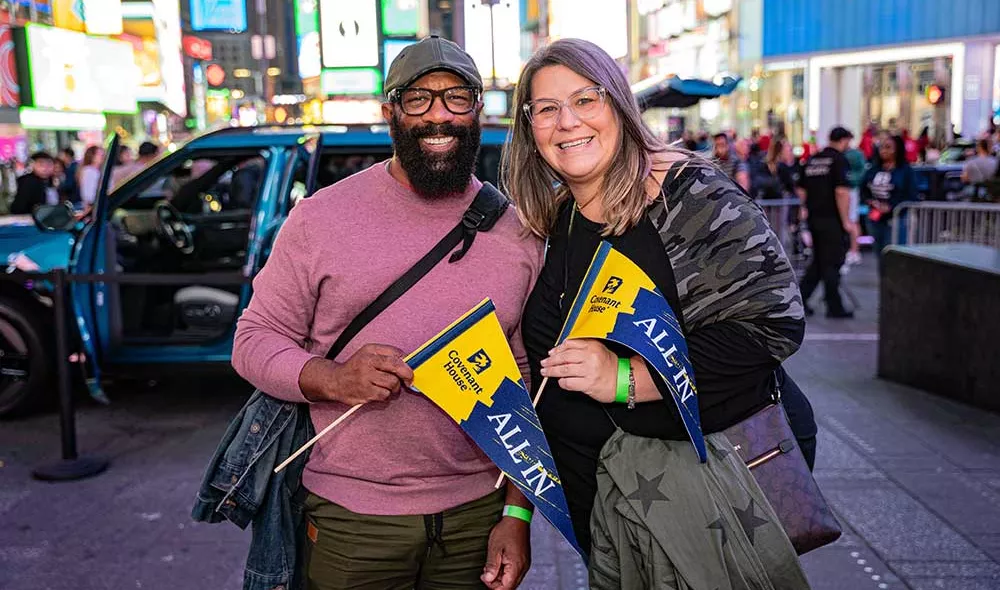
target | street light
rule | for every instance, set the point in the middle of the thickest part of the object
(493, 51)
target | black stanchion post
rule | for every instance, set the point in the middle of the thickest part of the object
(72, 466)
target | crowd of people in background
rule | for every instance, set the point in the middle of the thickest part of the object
(767, 165)
(840, 193)
(45, 179)
(880, 169)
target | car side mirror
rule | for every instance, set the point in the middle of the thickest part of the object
(60, 217)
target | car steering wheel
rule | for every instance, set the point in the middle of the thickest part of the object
(171, 224)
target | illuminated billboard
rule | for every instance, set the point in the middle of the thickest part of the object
(602, 22)
(68, 14)
(400, 18)
(307, 38)
(167, 20)
(348, 33)
(219, 15)
(102, 17)
(69, 71)
(351, 81)
(10, 91)
(486, 39)
(390, 50)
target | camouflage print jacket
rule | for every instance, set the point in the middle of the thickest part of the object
(740, 302)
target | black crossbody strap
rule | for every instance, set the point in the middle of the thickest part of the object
(481, 215)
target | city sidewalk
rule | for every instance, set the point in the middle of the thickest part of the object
(915, 479)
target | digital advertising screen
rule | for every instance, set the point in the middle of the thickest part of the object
(390, 50)
(69, 71)
(219, 15)
(349, 33)
(400, 18)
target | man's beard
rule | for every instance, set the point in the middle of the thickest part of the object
(431, 174)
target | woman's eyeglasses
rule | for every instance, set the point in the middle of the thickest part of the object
(585, 104)
(459, 100)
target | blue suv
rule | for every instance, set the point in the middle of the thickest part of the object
(179, 243)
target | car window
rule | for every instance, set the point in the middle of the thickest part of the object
(334, 166)
(204, 183)
(488, 165)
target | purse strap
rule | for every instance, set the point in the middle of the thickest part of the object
(777, 382)
(488, 206)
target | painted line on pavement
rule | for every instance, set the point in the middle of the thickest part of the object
(833, 337)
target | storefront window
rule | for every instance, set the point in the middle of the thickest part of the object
(996, 86)
(899, 97)
(777, 103)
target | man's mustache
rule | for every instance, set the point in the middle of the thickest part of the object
(433, 129)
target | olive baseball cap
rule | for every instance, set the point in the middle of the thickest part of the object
(430, 55)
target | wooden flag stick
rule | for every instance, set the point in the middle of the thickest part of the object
(534, 404)
(317, 437)
(538, 396)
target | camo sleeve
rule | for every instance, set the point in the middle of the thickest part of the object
(735, 283)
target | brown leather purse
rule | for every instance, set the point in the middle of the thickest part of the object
(766, 444)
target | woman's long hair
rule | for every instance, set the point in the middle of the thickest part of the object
(536, 188)
(900, 146)
(774, 154)
(90, 155)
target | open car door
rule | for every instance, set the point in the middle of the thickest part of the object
(303, 180)
(89, 297)
(312, 144)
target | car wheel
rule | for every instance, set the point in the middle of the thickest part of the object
(25, 360)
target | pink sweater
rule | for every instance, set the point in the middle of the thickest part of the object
(336, 252)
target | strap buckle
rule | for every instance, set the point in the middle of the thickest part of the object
(472, 219)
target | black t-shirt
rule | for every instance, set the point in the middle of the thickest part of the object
(576, 426)
(820, 177)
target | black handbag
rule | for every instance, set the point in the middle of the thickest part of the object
(766, 444)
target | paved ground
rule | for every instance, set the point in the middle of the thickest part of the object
(915, 479)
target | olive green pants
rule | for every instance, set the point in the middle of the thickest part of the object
(435, 551)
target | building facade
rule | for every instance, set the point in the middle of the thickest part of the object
(902, 65)
(689, 39)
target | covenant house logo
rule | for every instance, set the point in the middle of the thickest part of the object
(600, 303)
(462, 375)
(480, 361)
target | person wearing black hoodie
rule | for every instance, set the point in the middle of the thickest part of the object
(36, 187)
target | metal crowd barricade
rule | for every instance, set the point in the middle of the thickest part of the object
(783, 215)
(933, 222)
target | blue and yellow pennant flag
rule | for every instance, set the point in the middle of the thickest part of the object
(618, 302)
(470, 372)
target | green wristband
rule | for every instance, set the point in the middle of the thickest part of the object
(621, 390)
(517, 512)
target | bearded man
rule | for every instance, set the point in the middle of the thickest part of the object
(399, 496)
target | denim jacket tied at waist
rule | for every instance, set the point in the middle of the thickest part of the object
(240, 486)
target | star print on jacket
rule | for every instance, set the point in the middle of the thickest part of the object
(648, 492)
(749, 521)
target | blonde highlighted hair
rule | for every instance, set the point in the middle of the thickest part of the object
(537, 189)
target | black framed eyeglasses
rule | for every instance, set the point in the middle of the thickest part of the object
(585, 103)
(459, 100)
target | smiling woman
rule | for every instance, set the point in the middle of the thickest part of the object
(583, 169)
(577, 126)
